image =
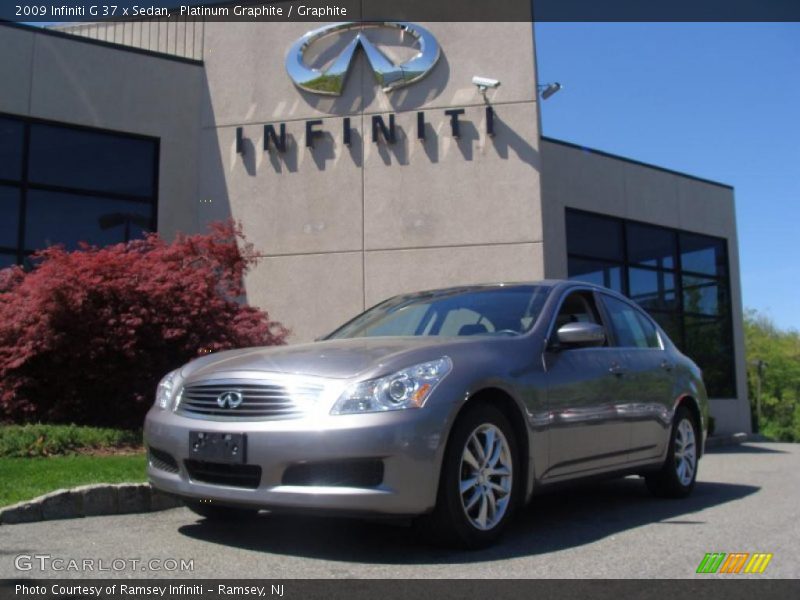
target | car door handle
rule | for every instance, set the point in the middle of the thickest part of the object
(617, 369)
(666, 365)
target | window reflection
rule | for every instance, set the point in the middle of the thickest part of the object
(653, 290)
(650, 246)
(82, 184)
(711, 346)
(11, 132)
(595, 238)
(680, 278)
(596, 271)
(56, 218)
(701, 295)
(6, 260)
(9, 216)
(89, 160)
(703, 254)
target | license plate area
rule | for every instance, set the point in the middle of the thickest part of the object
(218, 447)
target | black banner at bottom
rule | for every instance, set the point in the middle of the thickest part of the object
(383, 589)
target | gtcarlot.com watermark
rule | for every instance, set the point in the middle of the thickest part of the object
(49, 563)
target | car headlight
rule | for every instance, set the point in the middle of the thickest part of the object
(408, 388)
(165, 391)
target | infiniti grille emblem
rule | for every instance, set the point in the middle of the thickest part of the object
(229, 399)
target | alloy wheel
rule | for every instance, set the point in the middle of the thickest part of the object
(685, 452)
(486, 477)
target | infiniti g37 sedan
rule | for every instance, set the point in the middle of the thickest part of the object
(451, 406)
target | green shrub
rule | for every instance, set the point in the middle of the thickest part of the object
(48, 440)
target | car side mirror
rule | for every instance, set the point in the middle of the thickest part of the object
(581, 335)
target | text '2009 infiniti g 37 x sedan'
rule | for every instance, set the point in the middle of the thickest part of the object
(452, 406)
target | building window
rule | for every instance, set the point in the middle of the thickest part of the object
(63, 184)
(679, 278)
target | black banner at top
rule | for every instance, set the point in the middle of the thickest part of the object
(70, 11)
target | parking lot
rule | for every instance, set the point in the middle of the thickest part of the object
(747, 500)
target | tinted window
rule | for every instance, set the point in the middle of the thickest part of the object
(679, 278)
(6, 260)
(650, 333)
(630, 328)
(465, 312)
(653, 290)
(56, 218)
(89, 160)
(702, 295)
(9, 216)
(593, 236)
(712, 347)
(11, 133)
(596, 271)
(409, 318)
(671, 324)
(703, 254)
(651, 246)
(465, 321)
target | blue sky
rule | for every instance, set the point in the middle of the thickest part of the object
(716, 100)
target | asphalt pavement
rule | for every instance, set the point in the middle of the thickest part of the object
(747, 499)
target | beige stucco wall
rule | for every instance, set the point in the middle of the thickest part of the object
(576, 178)
(342, 228)
(81, 83)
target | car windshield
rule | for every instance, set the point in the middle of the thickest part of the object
(451, 313)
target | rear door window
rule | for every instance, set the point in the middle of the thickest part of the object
(631, 328)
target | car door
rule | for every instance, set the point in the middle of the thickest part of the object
(587, 432)
(648, 382)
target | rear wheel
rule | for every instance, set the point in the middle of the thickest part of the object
(217, 512)
(677, 477)
(479, 479)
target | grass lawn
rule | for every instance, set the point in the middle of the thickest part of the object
(26, 478)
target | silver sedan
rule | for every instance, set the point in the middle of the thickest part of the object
(451, 406)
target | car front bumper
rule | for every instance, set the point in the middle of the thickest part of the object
(409, 443)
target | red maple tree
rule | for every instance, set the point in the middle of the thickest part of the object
(86, 335)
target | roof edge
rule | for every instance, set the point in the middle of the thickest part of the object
(102, 43)
(635, 162)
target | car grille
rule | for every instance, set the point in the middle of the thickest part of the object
(259, 399)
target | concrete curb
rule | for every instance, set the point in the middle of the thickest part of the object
(89, 501)
(734, 439)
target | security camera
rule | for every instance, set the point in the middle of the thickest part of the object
(484, 83)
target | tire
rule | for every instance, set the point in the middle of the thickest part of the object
(673, 480)
(218, 512)
(457, 518)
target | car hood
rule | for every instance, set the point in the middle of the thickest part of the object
(341, 359)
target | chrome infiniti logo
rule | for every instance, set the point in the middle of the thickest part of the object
(229, 399)
(390, 76)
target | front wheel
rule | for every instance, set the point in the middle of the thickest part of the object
(677, 477)
(478, 484)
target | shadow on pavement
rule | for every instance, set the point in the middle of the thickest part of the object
(747, 449)
(551, 522)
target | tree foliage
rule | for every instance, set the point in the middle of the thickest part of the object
(780, 378)
(86, 335)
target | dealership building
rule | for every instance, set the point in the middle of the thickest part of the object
(362, 162)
